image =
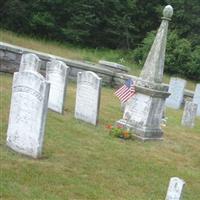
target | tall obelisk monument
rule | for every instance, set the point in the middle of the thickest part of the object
(143, 113)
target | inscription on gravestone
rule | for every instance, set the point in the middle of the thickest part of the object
(175, 189)
(189, 114)
(176, 89)
(88, 97)
(196, 98)
(135, 113)
(28, 113)
(56, 74)
(30, 62)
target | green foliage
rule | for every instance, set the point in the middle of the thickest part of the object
(178, 54)
(119, 131)
(98, 23)
(194, 67)
(181, 59)
(115, 24)
(186, 19)
(15, 15)
(140, 53)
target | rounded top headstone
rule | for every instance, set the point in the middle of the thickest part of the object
(168, 11)
(30, 62)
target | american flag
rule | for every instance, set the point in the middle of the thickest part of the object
(126, 91)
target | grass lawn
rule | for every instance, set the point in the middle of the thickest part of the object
(81, 161)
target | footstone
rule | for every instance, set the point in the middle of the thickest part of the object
(88, 97)
(30, 62)
(189, 114)
(56, 74)
(175, 189)
(176, 89)
(196, 98)
(28, 113)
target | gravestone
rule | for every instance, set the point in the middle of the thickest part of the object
(88, 97)
(28, 113)
(189, 114)
(30, 62)
(56, 74)
(196, 98)
(175, 189)
(143, 113)
(176, 89)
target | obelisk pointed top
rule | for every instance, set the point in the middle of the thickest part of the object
(154, 64)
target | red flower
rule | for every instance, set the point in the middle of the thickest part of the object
(120, 126)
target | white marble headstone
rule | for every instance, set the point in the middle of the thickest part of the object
(176, 89)
(28, 112)
(134, 113)
(175, 189)
(30, 62)
(56, 74)
(196, 98)
(88, 97)
(189, 114)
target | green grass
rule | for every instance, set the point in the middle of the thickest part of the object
(81, 161)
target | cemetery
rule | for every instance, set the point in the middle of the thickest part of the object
(74, 129)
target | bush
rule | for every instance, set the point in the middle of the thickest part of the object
(180, 58)
(194, 67)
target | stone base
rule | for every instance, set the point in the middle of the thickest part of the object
(23, 152)
(142, 133)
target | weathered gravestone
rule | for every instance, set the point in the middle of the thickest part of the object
(189, 114)
(88, 97)
(56, 74)
(175, 189)
(28, 113)
(196, 98)
(143, 114)
(176, 89)
(30, 62)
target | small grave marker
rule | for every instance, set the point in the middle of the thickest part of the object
(196, 98)
(175, 189)
(176, 89)
(189, 114)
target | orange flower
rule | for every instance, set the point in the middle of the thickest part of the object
(126, 134)
(109, 126)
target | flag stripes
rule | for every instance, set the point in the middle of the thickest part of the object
(126, 91)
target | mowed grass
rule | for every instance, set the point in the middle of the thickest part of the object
(81, 161)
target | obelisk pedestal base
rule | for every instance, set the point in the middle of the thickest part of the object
(142, 133)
